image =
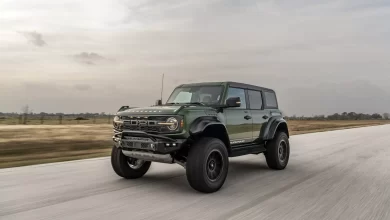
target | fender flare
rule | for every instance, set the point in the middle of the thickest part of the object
(272, 126)
(202, 124)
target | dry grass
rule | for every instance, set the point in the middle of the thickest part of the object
(302, 127)
(35, 144)
(54, 120)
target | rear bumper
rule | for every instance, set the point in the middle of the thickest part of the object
(141, 141)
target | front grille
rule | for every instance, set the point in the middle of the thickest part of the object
(149, 124)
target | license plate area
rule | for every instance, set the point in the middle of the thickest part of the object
(142, 143)
(139, 145)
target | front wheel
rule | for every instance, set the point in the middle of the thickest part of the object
(127, 167)
(207, 165)
(278, 152)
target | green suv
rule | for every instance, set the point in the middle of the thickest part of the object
(199, 127)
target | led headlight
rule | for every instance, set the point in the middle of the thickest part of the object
(171, 123)
(117, 119)
(117, 122)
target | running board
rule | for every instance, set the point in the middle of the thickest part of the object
(252, 148)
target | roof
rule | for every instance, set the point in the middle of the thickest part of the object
(233, 84)
(202, 83)
(248, 86)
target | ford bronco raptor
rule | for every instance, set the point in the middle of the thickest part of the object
(199, 127)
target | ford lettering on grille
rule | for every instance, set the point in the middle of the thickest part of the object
(142, 123)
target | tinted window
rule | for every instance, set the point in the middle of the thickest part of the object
(270, 99)
(235, 92)
(255, 101)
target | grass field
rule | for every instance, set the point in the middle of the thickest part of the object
(55, 120)
(35, 144)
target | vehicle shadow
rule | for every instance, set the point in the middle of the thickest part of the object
(247, 165)
(173, 180)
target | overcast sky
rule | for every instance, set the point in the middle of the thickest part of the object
(96, 55)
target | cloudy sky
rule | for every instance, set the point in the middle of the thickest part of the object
(96, 55)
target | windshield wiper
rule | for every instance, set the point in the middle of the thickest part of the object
(195, 103)
(172, 103)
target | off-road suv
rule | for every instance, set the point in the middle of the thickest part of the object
(199, 127)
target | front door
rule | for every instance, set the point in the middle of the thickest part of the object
(238, 119)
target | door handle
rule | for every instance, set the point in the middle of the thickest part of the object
(247, 117)
(265, 116)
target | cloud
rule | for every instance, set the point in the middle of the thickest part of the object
(297, 47)
(82, 87)
(328, 98)
(88, 58)
(34, 37)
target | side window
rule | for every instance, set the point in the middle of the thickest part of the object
(235, 92)
(255, 99)
(270, 99)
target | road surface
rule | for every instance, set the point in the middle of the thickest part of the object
(332, 175)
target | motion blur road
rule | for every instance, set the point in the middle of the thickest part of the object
(332, 175)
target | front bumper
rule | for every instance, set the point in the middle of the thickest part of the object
(143, 141)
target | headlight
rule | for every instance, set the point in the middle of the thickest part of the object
(117, 119)
(171, 123)
(117, 122)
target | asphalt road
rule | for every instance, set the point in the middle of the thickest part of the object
(332, 175)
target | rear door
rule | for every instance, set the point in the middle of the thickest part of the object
(238, 119)
(260, 115)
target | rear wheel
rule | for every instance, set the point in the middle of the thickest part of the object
(278, 152)
(127, 167)
(207, 165)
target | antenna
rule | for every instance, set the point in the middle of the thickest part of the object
(162, 86)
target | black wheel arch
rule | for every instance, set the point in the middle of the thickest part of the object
(210, 126)
(275, 124)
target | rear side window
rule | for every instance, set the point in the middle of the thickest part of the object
(270, 100)
(255, 99)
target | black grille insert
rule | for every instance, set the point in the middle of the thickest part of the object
(147, 124)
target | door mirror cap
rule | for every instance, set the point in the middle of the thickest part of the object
(158, 102)
(233, 102)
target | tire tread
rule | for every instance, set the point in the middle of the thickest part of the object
(195, 165)
(271, 154)
(122, 168)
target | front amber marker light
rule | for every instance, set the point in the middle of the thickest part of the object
(182, 123)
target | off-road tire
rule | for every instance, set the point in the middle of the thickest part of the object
(114, 163)
(122, 168)
(273, 156)
(200, 161)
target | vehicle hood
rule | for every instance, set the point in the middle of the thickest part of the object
(161, 110)
(154, 110)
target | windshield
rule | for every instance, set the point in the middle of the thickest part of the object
(207, 95)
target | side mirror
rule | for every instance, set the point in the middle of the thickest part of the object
(158, 102)
(233, 102)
